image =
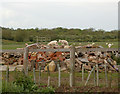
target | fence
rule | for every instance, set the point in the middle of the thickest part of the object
(72, 51)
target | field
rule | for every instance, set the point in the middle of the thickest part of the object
(79, 86)
(6, 44)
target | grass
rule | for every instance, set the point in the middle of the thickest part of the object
(65, 75)
(7, 44)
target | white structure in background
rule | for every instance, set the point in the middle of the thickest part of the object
(64, 42)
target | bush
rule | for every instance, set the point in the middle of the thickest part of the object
(28, 85)
(11, 87)
(25, 81)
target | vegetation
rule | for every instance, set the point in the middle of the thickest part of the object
(24, 83)
(71, 35)
(79, 86)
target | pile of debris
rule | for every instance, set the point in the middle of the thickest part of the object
(51, 59)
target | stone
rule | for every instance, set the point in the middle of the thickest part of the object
(20, 67)
(83, 60)
(67, 61)
(52, 66)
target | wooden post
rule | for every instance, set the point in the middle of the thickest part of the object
(97, 74)
(106, 75)
(110, 81)
(27, 69)
(59, 75)
(39, 73)
(7, 74)
(26, 50)
(34, 75)
(83, 73)
(94, 78)
(72, 65)
(118, 78)
(48, 76)
(89, 76)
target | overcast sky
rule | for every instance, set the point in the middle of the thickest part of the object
(98, 14)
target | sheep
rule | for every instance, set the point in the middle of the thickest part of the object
(109, 45)
(52, 43)
(64, 42)
(93, 43)
(106, 43)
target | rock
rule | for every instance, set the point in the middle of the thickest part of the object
(52, 66)
(19, 67)
(83, 60)
(3, 67)
(2, 63)
(15, 63)
(67, 61)
(63, 68)
(12, 68)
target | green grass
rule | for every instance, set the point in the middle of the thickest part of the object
(7, 44)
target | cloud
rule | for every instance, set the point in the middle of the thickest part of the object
(53, 13)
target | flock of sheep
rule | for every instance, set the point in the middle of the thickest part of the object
(64, 42)
(55, 44)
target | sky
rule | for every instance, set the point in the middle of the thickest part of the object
(82, 14)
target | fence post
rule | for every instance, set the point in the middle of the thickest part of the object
(89, 75)
(48, 76)
(39, 73)
(72, 65)
(97, 74)
(59, 75)
(26, 50)
(34, 75)
(106, 74)
(118, 78)
(110, 81)
(7, 74)
(94, 78)
(83, 73)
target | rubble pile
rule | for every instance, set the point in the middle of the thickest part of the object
(51, 59)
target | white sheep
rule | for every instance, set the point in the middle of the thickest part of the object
(93, 43)
(106, 43)
(52, 43)
(109, 45)
(64, 42)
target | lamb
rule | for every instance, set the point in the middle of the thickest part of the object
(64, 42)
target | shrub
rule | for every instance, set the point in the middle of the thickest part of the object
(11, 87)
(25, 81)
